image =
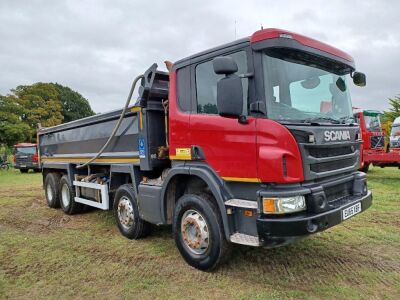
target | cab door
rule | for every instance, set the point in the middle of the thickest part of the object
(229, 147)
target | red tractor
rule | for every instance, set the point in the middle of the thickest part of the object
(373, 147)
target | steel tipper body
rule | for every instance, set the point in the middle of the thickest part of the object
(256, 145)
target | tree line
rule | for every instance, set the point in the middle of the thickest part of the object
(47, 104)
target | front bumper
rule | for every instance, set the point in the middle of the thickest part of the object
(27, 165)
(275, 231)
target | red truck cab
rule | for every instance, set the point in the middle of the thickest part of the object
(26, 157)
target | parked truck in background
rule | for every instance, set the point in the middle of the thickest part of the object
(26, 157)
(252, 143)
(395, 135)
(373, 148)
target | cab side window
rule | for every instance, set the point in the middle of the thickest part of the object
(206, 84)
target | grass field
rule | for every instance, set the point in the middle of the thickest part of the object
(46, 254)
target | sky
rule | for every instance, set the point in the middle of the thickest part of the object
(98, 47)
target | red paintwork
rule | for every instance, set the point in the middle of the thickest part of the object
(22, 145)
(274, 141)
(272, 33)
(229, 147)
(178, 121)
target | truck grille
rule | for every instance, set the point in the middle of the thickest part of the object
(22, 160)
(377, 142)
(332, 165)
(329, 151)
(323, 158)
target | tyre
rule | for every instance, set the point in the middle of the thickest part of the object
(126, 213)
(24, 170)
(198, 232)
(51, 189)
(365, 168)
(67, 195)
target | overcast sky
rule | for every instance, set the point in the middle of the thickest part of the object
(98, 47)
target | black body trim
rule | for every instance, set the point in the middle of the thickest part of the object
(269, 229)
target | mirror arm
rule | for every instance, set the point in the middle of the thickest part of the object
(243, 119)
(247, 75)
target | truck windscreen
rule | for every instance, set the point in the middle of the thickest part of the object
(395, 131)
(25, 150)
(372, 122)
(304, 91)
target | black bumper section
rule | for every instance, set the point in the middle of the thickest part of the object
(279, 231)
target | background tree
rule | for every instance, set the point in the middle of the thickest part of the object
(41, 105)
(12, 128)
(49, 104)
(394, 111)
(74, 105)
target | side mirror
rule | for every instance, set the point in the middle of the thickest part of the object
(229, 88)
(359, 79)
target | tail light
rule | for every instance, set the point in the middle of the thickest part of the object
(15, 159)
(35, 158)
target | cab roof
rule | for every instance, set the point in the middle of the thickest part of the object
(22, 145)
(371, 113)
(258, 38)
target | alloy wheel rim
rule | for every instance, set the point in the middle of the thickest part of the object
(195, 233)
(49, 191)
(65, 197)
(125, 212)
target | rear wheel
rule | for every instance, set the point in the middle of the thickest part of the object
(126, 213)
(198, 232)
(51, 185)
(67, 195)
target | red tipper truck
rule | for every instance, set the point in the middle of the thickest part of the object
(373, 151)
(252, 143)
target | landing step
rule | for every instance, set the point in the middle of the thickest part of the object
(245, 239)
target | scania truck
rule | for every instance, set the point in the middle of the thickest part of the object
(252, 142)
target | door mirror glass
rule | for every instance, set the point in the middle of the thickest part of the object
(230, 96)
(359, 79)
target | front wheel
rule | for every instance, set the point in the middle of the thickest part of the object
(198, 232)
(126, 213)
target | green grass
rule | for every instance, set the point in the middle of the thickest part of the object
(46, 254)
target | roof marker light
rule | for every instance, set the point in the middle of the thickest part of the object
(286, 36)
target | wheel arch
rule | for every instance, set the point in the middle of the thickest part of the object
(173, 189)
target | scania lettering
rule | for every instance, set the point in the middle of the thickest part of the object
(230, 146)
(337, 135)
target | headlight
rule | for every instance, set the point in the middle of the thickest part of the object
(284, 205)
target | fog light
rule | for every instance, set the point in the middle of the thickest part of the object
(284, 205)
(311, 138)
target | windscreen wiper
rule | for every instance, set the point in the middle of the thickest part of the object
(316, 119)
(343, 120)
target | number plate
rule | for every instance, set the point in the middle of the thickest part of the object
(23, 166)
(351, 211)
